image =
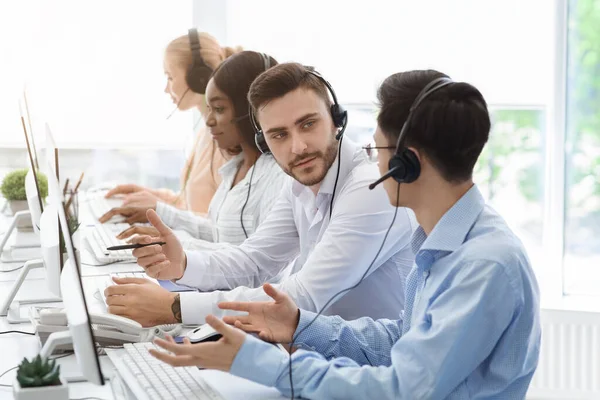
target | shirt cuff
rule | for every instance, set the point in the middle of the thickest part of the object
(258, 361)
(318, 335)
(192, 276)
(165, 213)
(195, 307)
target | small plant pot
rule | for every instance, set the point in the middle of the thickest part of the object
(21, 205)
(56, 392)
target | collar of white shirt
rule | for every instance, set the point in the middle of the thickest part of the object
(229, 169)
(349, 150)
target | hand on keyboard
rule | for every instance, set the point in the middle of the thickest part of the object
(124, 189)
(212, 355)
(143, 199)
(161, 262)
(148, 378)
(138, 230)
(131, 214)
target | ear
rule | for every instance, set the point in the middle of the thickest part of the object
(417, 154)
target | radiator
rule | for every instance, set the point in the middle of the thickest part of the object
(569, 365)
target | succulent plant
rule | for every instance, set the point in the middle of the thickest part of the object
(39, 372)
(13, 185)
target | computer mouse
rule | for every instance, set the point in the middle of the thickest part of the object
(203, 333)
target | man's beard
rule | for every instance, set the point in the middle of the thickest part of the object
(326, 159)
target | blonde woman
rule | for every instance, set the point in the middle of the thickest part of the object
(188, 63)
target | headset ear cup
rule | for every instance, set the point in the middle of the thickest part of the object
(407, 166)
(412, 166)
(197, 78)
(396, 163)
(261, 143)
(339, 115)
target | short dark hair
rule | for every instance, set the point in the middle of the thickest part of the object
(450, 126)
(234, 77)
(282, 79)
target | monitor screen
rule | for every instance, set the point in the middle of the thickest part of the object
(32, 162)
(74, 300)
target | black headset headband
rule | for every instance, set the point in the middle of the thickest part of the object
(426, 91)
(198, 73)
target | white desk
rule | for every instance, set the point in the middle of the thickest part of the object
(13, 347)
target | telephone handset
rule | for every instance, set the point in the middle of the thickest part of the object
(109, 329)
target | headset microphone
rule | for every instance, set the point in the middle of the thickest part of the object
(388, 174)
(178, 103)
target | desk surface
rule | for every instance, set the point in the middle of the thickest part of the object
(13, 347)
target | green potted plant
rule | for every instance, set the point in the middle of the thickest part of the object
(13, 190)
(39, 379)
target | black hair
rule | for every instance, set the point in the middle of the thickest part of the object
(234, 77)
(450, 127)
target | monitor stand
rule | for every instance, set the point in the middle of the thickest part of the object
(70, 370)
(12, 309)
(23, 239)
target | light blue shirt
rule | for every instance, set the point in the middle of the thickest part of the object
(471, 329)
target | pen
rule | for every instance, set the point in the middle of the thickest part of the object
(133, 246)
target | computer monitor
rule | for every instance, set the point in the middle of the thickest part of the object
(74, 300)
(32, 187)
(51, 159)
(26, 218)
(54, 170)
(46, 226)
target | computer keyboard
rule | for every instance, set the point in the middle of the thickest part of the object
(149, 378)
(102, 282)
(99, 206)
(101, 236)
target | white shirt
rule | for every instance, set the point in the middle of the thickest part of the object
(223, 224)
(330, 255)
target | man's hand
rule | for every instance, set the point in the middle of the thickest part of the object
(138, 230)
(143, 199)
(141, 300)
(213, 355)
(273, 321)
(161, 262)
(131, 214)
(123, 189)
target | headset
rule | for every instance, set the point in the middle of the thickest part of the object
(267, 65)
(340, 120)
(198, 73)
(338, 114)
(404, 166)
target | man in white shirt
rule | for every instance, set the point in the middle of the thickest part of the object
(329, 248)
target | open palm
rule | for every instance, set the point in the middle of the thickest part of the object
(273, 321)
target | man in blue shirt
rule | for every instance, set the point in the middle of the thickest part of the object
(470, 329)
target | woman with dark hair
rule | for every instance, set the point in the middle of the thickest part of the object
(250, 181)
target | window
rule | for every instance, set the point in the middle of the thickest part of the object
(582, 150)
(510, 173)
(93, 71)
(490, 44)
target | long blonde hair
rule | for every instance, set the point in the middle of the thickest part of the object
(213, 54)
(211, 51)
